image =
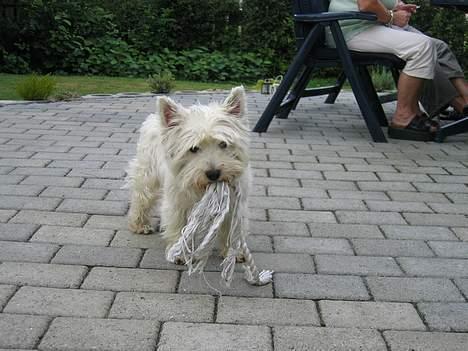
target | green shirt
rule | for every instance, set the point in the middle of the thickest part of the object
(352, 27)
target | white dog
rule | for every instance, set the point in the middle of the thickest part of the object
(180, 152)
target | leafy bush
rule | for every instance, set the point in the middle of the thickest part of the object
(162, 82)
(36, 87)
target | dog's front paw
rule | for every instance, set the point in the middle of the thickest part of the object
(141, 228)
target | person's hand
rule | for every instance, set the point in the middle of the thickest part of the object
(411, 8)
(401, 18)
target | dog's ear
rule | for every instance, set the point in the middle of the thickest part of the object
(235, 103)
(168, 110)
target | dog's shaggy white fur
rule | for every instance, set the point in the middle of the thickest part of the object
(179, 153)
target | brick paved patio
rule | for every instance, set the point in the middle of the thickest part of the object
(369, 241)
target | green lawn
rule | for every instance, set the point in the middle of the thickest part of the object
(83, 85)
(97, 84)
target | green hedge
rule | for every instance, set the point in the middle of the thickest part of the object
(208, 40)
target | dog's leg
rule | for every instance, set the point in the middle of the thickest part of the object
(144, 193)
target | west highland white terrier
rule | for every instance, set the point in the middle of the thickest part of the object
(180, 153)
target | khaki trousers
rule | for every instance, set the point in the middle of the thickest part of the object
(427, 58)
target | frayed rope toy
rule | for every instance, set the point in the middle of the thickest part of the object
(199, 236)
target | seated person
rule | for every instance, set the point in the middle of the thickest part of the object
(431, 75)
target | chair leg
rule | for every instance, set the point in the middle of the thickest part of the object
(281, 91)
(362, 97)
(338, 86)
(374, 98)
(301, 85)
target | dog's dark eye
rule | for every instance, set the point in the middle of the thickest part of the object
(222, 145)
(194, 149)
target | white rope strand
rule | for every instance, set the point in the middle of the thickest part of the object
(199, 236)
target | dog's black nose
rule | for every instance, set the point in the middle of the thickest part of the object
(213, 174)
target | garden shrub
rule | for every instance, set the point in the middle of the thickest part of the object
(36, 87)
(203, 40)
(162, 82)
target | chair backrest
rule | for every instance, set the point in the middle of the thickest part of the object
(308, 6)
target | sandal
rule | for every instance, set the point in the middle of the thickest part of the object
(454, 115)
(419, 129)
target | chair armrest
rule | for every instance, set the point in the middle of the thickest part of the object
(335, 16)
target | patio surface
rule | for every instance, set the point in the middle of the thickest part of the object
(369, 241)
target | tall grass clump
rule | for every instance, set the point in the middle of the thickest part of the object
(36, 87)
(382, 79)
(162, 82)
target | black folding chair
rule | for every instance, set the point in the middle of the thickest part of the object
(310, 19)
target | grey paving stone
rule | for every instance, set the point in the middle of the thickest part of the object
(397, 206)
(296, 192)
(82, 334)
(50, 218)
(462, 285)
(368, 217)
(214, 337)
(97, 173)
(280, 202)
(198, 284)
(302, 216)
(445, 316)
(329, 184)
(26, 252)
(414, 196)
(156, 258)
(126, 279)
(293, 173)
(322, 339)
(107, 184)
(72, 164)
(125, 238)
(414, 232)
(163, 307)
(450, 249)
(434, 267)
(94, 206)
(60, 302)
(385, 186)
(41, 171)
(413, 289)
(358, 195)
(117, 195)
(312, 246)
(74, 193)
(373, 315)
(18, 331)
(52, 180)
(107, 222)
(440, 188)
(359, 265)
(264, 311)
(333, 204)
(425, 341)
(6, 291)
(393, 248)
(284, 262)
(21, 190)
(71, 235)
(5, 215)
(317, 286)
(16, 232)
(28, 203)
(10, 179)
(98, 256)
(278, 228)
(41, 274)
(462, 233)
(333, 230)
(23, 163)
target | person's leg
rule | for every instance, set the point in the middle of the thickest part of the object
(409, 90)
(420, 55)
(462, 87)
